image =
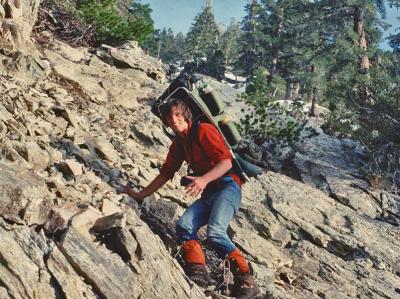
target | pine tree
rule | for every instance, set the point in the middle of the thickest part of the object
(361, 86)
(203, 35)
(230, 42)
(250, 50)
(179, 45)
(328, 51)
(152, 46)
(167, 51)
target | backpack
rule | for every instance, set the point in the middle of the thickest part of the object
(206, 106)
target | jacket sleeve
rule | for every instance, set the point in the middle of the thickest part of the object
(213, 144)
(173, 161)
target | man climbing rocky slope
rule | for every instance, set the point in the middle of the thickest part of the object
(76, 124)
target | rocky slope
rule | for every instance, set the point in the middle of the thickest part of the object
(76, 124)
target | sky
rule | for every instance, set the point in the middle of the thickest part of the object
(179, 14)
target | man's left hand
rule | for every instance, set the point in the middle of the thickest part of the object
(197, 185)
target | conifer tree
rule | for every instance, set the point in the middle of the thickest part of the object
(152, 46)
(167, 52)
(230, 42)
(329, 51)
(179, 45)
(250, 49)
(202, 38)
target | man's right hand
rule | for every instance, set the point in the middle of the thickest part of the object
(155, 184)
(138, 196)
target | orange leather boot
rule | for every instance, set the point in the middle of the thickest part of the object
(244, 284)
(195, 267)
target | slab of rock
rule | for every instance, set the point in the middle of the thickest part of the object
(262, 250)
(108, 207)
(4, 114)
(19, 275)
(71, 194)
(71, 283)
(131, 55)
(106, 150)
(84, 220)
(33, 154)
(24, 197)
(331, 165)
(344, 189)
(17, 22)
(354, 253)
(152, 261)
(80, 74)
(107, 274)
(71, 168)
(74, 119)
(35, 244)
(99, 81)
(116, 220)
(59, 217)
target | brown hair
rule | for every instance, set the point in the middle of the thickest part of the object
(176, 102)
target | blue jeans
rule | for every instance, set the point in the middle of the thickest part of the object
(216, 208)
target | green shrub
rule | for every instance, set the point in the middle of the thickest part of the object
(112, 28)
(267, 119)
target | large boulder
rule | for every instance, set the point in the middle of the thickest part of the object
(130, 55)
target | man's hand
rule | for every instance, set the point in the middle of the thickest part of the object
(155, 184)
(196, 186)
(138, 196)
(199, 183)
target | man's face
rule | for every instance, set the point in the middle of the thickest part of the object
(176, 120)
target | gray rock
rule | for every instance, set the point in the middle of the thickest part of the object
(130, 55)
(339, 238)
(19, 275)
(24, 197)
(71, 283)
(108, 275)
(33, 154)
(71, 168)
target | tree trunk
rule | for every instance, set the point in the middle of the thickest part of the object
(311, 113)
(296, 89)
(275, 52)
(311, 95)
(159, 50)
(289, 90)
(362, 41)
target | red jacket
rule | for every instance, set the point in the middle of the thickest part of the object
(200, 159)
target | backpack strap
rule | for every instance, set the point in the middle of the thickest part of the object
(194, 137)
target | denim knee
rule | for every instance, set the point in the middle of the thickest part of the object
(220, 241)
(184, 232)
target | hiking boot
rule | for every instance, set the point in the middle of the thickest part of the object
(244, 285)
(199, 275)
(195, 261)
